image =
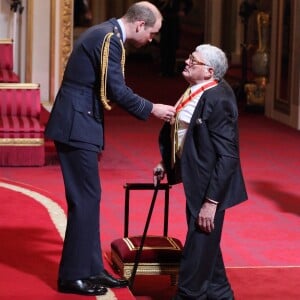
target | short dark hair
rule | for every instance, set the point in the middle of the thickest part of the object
(139, 11)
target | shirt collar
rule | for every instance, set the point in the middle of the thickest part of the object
(122, 29)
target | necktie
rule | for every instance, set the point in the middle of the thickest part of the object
(174, 127)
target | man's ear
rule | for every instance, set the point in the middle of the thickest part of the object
(139, 25)
(210, 72)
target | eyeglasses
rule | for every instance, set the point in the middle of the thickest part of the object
(194, 61)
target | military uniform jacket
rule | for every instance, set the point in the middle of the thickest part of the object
(210, 163)
(76, 118)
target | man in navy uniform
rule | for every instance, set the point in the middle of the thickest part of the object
(93, 75)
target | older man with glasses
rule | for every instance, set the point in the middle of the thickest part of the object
(200, 148)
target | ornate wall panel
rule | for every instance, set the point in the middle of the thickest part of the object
(66, 33)
(283, 57)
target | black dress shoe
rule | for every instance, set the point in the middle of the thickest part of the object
(108, 280)
(81, 287)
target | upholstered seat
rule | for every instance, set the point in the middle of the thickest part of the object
(21, 133)
(160, 254)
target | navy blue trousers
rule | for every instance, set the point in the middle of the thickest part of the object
(81, 254)
(202, 273)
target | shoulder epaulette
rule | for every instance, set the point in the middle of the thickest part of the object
(104, 66)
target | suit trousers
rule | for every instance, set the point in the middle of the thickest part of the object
(81, 254)
(202, 273)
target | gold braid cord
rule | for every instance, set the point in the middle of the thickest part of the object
(104, 66)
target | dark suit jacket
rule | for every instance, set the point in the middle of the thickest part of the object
(77, 115)
(210, 162)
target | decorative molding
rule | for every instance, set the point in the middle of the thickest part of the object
(66, 34)
(19, 86)
(21, 142)
(29, 38)
(52, 50)
(6, 41)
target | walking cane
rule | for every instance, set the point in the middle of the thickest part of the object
(139, 252)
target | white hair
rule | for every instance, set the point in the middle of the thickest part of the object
(215, 58)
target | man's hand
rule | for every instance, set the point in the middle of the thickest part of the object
(158, 173)
(206, 216)
(164, 112)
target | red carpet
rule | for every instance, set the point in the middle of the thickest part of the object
(259, 234)
(31, 226)
(261, 237)
(248, 284)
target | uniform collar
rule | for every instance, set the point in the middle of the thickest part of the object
(122, 30)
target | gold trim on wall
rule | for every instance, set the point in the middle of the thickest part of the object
(66, 34)
(61, 42)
